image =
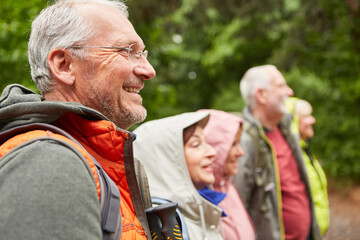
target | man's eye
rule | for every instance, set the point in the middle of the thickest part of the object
(122, 50)
(131, 50)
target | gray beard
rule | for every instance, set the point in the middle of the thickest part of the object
(123, 118)
(127, 118)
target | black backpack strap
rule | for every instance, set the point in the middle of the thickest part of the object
(143, 183)
(109, 193)
(109, 205)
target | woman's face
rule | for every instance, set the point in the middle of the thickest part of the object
(199, 157)
(306, 123)
(231, 164)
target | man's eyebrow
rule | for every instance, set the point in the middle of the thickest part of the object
(122, 43)
(127, 43)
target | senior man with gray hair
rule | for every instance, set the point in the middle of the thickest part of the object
(272, 179)
(89, 65)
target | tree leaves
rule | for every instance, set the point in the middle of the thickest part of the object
(201, 49)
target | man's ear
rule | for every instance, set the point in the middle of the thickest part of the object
(261, 95)
(61, 66)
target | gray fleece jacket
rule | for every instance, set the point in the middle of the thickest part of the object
(46, 190)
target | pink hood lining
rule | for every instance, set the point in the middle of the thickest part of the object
(220, 133)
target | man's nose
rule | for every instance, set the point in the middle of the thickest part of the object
(144, 70)
(289, 92)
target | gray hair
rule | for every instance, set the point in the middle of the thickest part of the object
(60, 26)
(302, 107)
(255, 78)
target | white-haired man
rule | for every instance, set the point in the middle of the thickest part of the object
(89, 65)
(272, 178)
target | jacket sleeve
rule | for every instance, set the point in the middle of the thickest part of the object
(47, 193)
(244, 179)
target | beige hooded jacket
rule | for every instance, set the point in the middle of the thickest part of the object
(159, 146)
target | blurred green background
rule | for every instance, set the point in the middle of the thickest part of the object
(201, 49)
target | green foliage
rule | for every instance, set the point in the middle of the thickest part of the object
(337, 126)
(15, 22)
(227, 99)
(201, 49)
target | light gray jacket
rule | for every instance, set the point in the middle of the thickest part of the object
(159, 147)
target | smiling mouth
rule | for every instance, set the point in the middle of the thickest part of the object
(132, 90)
(208, 168)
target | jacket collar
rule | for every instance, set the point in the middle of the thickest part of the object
(284, 123)
(100, 135)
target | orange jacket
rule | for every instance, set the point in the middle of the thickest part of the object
(106, 144)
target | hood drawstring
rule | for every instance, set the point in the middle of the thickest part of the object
(202, 219)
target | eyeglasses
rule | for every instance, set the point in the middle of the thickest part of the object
(133, 57)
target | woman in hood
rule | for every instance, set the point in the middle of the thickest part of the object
(223, 133)
(178, 162)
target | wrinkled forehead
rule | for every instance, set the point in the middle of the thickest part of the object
(109, 25)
